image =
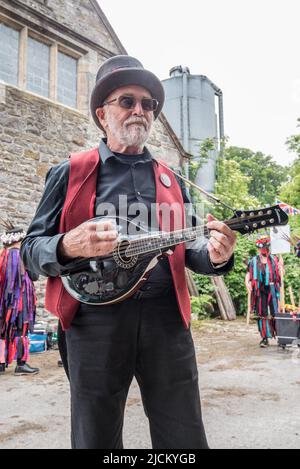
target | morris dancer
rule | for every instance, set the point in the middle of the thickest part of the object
(263, 282)
(17, 304)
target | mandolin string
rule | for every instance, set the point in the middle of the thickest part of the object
(142, 243)
(198, 230)
(129, 251)
(192, 230)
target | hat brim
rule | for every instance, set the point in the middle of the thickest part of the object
(125, 77)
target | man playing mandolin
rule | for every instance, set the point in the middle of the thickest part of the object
(145, 333)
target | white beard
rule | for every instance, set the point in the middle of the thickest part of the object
(129, 134)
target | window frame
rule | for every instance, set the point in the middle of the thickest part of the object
(38, 38)
(73, 55)
(55, 47)
(13, 25)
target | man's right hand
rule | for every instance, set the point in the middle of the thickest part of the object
(90, 239)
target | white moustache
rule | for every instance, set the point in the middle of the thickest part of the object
(137, 122)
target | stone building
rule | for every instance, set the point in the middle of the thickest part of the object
(49, 56)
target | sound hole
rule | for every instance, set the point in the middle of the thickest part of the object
(126, 262)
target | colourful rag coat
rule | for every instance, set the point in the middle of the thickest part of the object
(265, 282)
(17, 307)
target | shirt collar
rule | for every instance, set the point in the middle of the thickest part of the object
(106, 153)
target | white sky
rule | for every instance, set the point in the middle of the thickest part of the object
(249, 48)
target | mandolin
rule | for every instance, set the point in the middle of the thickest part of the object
(113, 278)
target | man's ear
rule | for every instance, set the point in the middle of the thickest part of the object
(100, 113)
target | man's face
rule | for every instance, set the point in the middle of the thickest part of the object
(128, 127)
(264, 251)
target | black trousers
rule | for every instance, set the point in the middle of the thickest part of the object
(62, 347)
(107, 347)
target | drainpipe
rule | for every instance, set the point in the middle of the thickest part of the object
(221, 121)
(185, 114)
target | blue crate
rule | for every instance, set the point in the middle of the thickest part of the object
(38, 342)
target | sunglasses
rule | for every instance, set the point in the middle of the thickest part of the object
(129, 102)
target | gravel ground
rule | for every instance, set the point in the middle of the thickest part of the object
(250, 396)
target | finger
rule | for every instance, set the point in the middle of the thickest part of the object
(105, 247)
(222, 228)
(96, 237)
(217, 247)
(223, 239)
(213, 223)
(214, 255)
(219, 226)
(225, 252)
(106, 235)
(210, 217)
(105, 225)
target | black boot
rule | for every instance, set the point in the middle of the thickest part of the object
(25, 369)
(2, 368)
(264, 343)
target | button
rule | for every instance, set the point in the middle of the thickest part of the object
(164, 178)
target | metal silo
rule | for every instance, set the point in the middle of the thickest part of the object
(190, 107)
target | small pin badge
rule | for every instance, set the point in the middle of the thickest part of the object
(165, 180)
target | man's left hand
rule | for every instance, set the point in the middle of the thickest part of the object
(222, 241)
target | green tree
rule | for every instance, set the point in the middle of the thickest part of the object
(293, 142)
(232, 188)
(290, 193)
(265, 176)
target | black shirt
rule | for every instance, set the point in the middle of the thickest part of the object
(129, 176)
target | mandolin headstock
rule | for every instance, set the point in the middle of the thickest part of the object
(248, 221)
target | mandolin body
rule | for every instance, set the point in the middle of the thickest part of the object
(110, 279)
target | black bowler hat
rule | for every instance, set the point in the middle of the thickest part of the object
(122, 70)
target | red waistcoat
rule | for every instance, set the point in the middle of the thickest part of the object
(79, 206)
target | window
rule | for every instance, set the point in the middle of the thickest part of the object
(34, 62)
(38, 60)
(67, 80)
(9, 54)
